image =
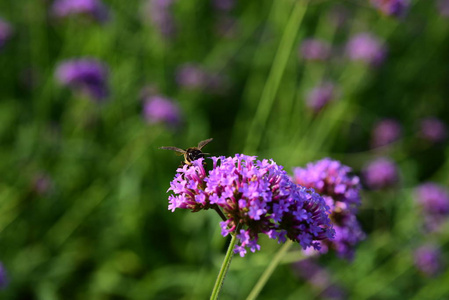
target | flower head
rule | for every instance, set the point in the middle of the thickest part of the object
(158, 109)
(367, 48)
(433, 199)
(314, 49)
(161, 16)
(428, 259)
(92, 8)
(394, 8)
(87, 75)
(380, 173)
(256, 197)
(5, 32)
(3, 277)
(433, 130)
(319, 96)
(341, 191)
(385, 132)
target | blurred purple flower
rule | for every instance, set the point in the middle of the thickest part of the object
(367, 48)
(443, 7)
(433, 130)
(226, 26)
(319, 96)
(385, 132)
(191, 76)
(5, 32)
(380, 173)
(433, 199)
(3, 277)
(93, 8)
(158, 109)
(86, 75)
(428, 259)
(42, 184)
(394, 8)
(314, 49)
(341, 191)
(256, 197)
(161, 16)
(223, 5)
(319, 278)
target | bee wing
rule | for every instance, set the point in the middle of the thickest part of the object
(179, 150)
(204, 143)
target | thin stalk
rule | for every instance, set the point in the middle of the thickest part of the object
(224, 268)
(269, 270)
(274, 78)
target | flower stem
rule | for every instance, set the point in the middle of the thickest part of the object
(224, 268)
(269, 270)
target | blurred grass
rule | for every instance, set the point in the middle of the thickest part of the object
(103, 231)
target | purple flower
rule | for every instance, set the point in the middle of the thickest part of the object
(255, 197)
(92, 8)
(433, 199)
(428, 259)
(319, 96)
(158, 109)
(5, 32)
(385, 132)
(443, 7)
(3, 277)
(191, 76)
(161, 16)
(42, 184)
(223, 5)
(395, 8)
(433, 130)
(380, 173)
(86, 75)
(367, 48)
(314, 49)
(341, 191)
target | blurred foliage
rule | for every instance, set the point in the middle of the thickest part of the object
(100, 229)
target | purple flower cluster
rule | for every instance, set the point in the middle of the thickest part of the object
(5, 32)
(319, 96)
(433, 130)
(394, 8)
(161, 16)
(255, 197)
(367, 48)
(433, 199)
(380, 173)
(314, 49)
(86, 75)
(385, 132)
(194, 77)
(3, 277)
(92, 8)
(158, 109)
(341, 191)
(428, 259)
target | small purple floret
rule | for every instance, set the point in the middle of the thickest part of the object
(394, 8)
(314, 49)
(367, 48)
(319, 96)
(433, 130)
(380, 173)
(93, 8)
(385, 132)
(428, 260)
(86, 75)
(158, 109)
(5, 32)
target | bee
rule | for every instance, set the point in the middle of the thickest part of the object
(192, 153)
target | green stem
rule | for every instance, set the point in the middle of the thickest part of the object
(269, 270)
(271, 87)
(224, 268)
